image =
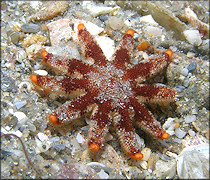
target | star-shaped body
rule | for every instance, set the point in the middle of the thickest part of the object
(110, 91)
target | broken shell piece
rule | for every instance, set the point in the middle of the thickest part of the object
(193, 162)
(194, 21)
(98, 10)
(60, 31)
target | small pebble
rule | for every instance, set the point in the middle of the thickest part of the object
(186, 82)
(80, 139)
(146, 154)
(179, 88)
(19, 115)
(180, 133)
(193, 37)
(116, 23)
(190, 54)
(192, 66)
(95, 164)
(155, 31)
(144, 164)
(30, 28)
(20, 104)
(42, 136)
(185, 71)
(103, 175)
(191, 133)
(148, 19)
(41, 72)
(13, 36)
(190, 118)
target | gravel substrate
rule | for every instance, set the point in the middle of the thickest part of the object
(27, 27)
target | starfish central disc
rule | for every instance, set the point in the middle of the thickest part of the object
(109, 84)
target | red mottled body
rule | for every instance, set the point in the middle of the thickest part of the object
(112, 88)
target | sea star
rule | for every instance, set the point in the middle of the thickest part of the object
(112, 91)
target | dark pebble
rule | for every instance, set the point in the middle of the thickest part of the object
(192, 66)
(30, 28)
(8, 84)
(6, 153)
(103, 17)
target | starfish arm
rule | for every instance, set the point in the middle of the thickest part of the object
(124, 50)
(90, 47)
(154, 93)
(64, 65)
(59, 84)
(99, 126)
(145, 70)
(126, 134)
(71, 110)
(146, 121)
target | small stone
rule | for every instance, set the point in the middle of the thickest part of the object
(155, 31)
(20, 104)
(41, 72)
(8, 84)
(19, 115)
(190, 118)
(180, 133)
(148, 19)
(42, 136)
(144, 164)
(80, 139)
(13, 36)
(192, 66)
(116, 23)
(193, 37)
(179, 88)
(103, 175)
(146, 154)
(30, 28)
(190, 54)
(186, 82)
(31, 127)
(191, 133)
(185, 71)
(96, 164)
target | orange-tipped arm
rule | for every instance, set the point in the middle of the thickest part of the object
(53, 119)
(130, 32)
(33, 77)
(137, 156)
(165, 135)
(80, 26)
(44, 54)
(169, 52)
(94, 147)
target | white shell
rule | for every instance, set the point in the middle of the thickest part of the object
(193, 162)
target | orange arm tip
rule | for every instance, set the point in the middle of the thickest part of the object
(33, 77)
(53, 119)
(94, 147)
(169, 52)
(130, 32)
(44, 54)
(137, 156)
(80, 26)
(165, 135)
